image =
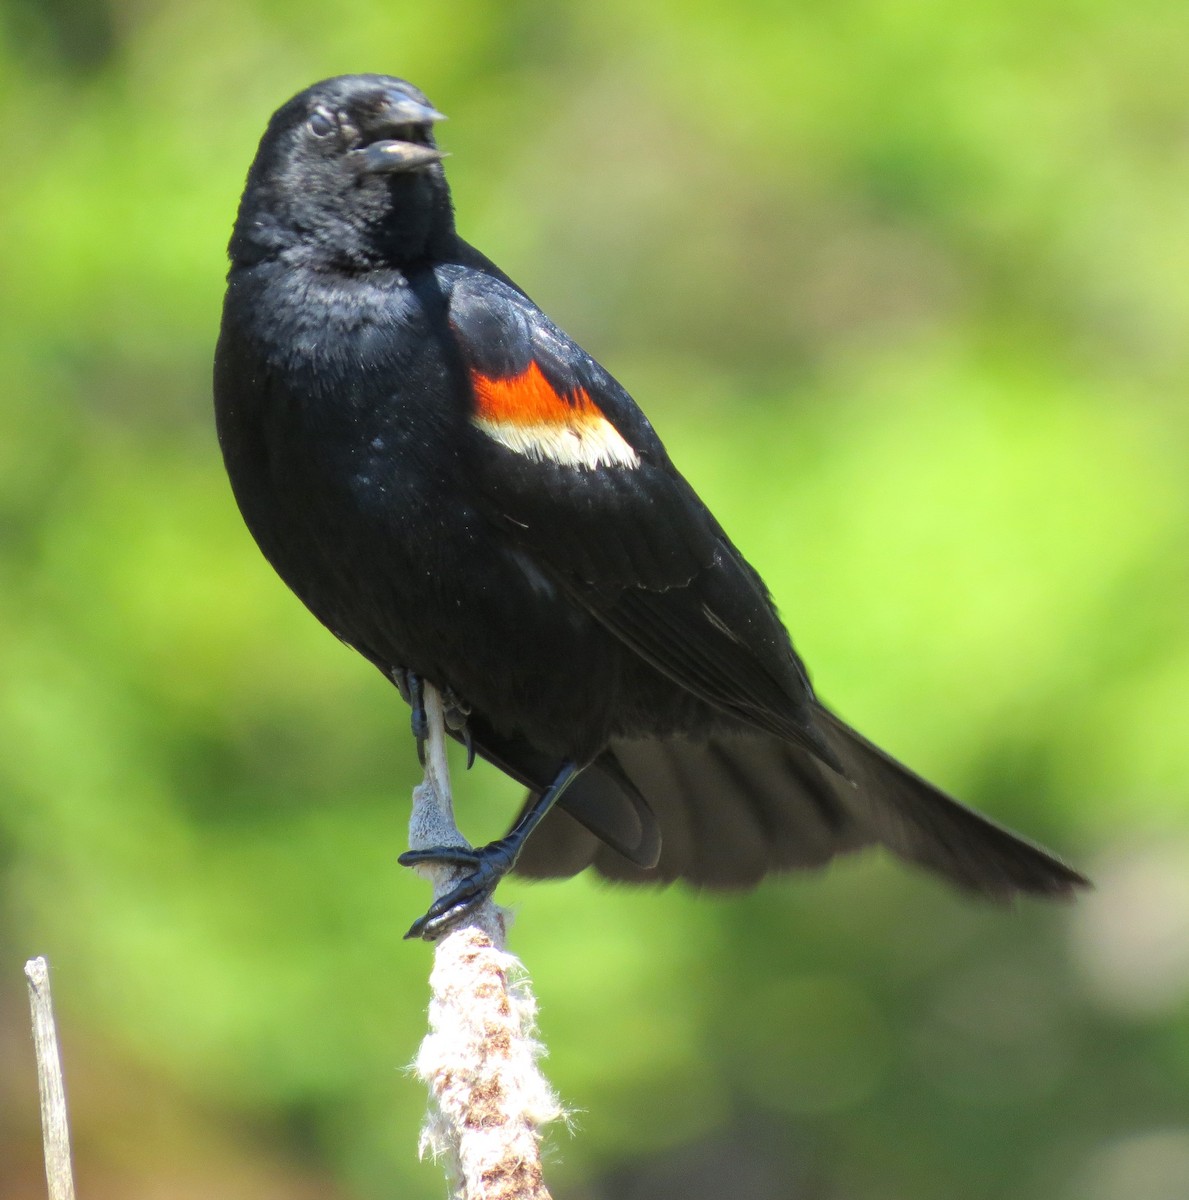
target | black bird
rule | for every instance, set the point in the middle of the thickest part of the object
(459, 491)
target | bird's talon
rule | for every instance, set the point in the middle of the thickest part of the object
(448, 856)
(489, 864)
(456, 712)
(418, 718)
(450, 910)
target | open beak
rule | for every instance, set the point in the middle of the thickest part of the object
(399, 137)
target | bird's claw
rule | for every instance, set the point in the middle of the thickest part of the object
(419, 723)
(490, 864)
(456, 712)
(413, 690)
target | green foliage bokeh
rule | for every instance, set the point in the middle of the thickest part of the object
(904, 287)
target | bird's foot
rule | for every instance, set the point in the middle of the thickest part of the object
(412, 689)
(456, 712)
(486, 865)
(489, 864)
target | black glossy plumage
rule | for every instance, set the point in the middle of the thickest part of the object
(590, 612)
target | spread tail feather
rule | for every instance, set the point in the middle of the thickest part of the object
(737, 807)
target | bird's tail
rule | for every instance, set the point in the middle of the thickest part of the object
(729, 810)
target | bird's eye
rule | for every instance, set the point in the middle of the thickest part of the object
(321, 123)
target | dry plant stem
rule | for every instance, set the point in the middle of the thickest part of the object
(488, 1098)
(55, 1130)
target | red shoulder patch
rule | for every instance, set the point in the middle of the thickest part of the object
(528, 399)
(525, 414)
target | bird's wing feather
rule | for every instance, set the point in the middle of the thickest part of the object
(573, 472)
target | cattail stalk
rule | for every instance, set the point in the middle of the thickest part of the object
(488, 1097)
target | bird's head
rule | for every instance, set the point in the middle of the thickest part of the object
(347, 169)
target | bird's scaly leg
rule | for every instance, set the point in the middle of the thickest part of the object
(487, 865)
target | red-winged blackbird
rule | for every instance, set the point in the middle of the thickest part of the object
(459, 491)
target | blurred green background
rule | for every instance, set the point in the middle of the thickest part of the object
(905, 286)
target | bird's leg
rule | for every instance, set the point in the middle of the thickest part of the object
(412, 688)
(489, 863)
